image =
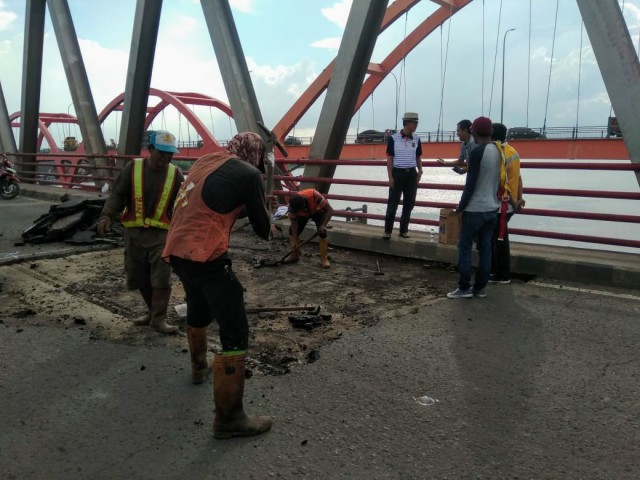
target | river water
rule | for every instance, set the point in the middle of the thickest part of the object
(620, 181)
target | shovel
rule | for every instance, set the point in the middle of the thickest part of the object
(273, 263)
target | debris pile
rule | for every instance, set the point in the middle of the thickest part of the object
(72, 222)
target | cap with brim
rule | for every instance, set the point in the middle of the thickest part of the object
(163, 141)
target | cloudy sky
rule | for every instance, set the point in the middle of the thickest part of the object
(289, 42)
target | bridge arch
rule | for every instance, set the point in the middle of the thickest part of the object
(181, 102)
(378, 72)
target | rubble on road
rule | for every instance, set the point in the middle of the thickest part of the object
(72, 222)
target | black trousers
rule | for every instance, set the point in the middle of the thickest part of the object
(214, 292)
(405, 185)
(500, 251)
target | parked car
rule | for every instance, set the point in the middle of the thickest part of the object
(524, 133)
(290, 140)
(371, 136)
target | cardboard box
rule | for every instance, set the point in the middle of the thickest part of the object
(450, 221)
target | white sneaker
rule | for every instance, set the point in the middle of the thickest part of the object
(459, 293)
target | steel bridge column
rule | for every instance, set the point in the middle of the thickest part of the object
(233, 66)
(78, 84)
(136, 94)
(360, 34)
(31, 82)
(7, 141)
(618, 64)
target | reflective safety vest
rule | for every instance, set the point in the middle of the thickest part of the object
(198, 233)
(134, 215)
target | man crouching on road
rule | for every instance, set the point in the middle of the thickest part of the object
(146, 190)
(217, 188)
(304, 205)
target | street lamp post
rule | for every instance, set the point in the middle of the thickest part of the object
(504, 39)
(396, 79)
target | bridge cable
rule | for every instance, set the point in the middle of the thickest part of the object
(579, 78)
(213, 129)
(482, 87)
(529, 66)
(443, 71)
(611, 108)
(373, 114)
(553, 46)
(495, 58)
(403, 70)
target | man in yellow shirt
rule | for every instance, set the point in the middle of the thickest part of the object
(512, 196)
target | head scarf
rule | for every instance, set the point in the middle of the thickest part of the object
(248, 146)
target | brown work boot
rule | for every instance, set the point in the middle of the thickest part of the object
(159, 304)
(324, 253)
(294, 256)
(228, 389)
(200, 367)
(145, 320)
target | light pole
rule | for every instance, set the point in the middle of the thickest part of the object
(396, 79)
(504, 39)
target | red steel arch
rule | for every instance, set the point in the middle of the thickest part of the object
(378, 71)
(180, 101)
(63, 165)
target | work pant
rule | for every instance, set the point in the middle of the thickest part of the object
(501, 253)
(214, 292)
(143, 265)
(479, 226)
(405, 184)
(319, 218)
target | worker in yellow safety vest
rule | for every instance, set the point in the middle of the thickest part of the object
(143, 195)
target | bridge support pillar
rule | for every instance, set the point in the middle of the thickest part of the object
(146, 23)
(7, 141)
(233, 66)
(618, 64)
(358, 40)
(79, 85)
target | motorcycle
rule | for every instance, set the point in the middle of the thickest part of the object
(9, 187)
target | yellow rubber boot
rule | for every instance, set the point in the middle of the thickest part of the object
(200, 367)
(145, 320)
(159, 304)
(228, 390)
(324, 252)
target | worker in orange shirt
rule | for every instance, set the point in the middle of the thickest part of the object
(304, 205)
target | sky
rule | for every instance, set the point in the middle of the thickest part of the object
(287, 43)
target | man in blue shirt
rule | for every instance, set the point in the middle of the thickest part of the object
(404, 168)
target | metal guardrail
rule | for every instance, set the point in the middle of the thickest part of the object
(519, 133)
(81, 176)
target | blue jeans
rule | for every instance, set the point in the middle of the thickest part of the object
(477, 226)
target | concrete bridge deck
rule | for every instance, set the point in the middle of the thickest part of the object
(534, 382)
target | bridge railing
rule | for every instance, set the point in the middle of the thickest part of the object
(81, 175)
(516, 133)
(382, 186)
